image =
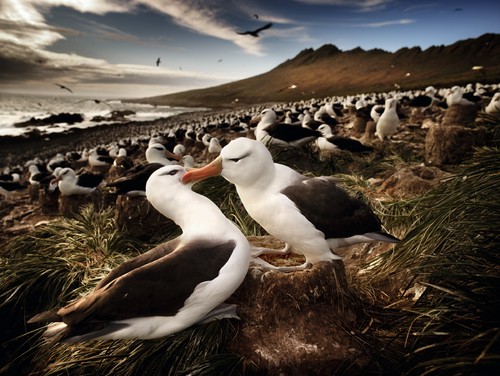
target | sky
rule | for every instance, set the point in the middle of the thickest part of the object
(110, 48)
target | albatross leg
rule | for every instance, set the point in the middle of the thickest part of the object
(257, 251)
(259, 262)
(222, 311)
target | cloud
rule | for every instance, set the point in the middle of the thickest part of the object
(404, 21)
(25, 37)
(365, 5)
(202, 17)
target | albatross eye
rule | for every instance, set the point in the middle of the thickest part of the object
(235, 159)
(173, 172)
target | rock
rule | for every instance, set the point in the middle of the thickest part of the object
(301, 323)
(459, 115)
(63, 117)
(452, 144)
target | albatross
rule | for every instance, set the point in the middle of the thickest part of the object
(270, 132)
(313, 216)
(169, 288)
(71, 184)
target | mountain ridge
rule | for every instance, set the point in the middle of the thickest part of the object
(328, 71)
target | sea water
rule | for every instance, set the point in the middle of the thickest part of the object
(16, 108)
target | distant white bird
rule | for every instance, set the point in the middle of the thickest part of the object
(330, 142)
(188, 161)
(388, 122)
(179, 149)
(157, 153)
(376, 112)
(97, 160)
(494, 106)
(71, 184)
(455, 97)
(269, 132)
(214, 146)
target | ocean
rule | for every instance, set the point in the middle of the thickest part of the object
(15, 108)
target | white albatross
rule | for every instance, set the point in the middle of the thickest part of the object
(388, 122)
(169, 288)
(313, 216)
(270, 132)
(71, 184)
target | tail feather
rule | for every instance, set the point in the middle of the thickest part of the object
(382, 236)
(47, 316)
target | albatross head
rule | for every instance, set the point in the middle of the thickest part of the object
(242, 162)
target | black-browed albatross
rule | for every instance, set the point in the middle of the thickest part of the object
(270, 132)
(169, 288)
(313, 216)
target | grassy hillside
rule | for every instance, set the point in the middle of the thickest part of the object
(330, 71)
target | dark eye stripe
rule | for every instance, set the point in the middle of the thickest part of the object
(171, 172)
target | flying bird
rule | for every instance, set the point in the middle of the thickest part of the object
(158, 61)
(64, 87)
(256, 16)
(255, 33)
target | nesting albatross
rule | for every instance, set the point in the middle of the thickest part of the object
(313, 216)
(169, 288)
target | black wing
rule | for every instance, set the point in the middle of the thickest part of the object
(89, 180)
(266, 26)
(135, 179)
(157, 288)
(330, 208)
(143, 259)
(346, 143)
(288, 133)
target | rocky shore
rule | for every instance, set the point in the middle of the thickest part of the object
(16, 150)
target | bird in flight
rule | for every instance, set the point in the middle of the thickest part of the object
(256, 16)
(255, 33)
(64, 87)
(158, 61)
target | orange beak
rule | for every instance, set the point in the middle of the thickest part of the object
(256, 119)
(194, 175)
(171, 155)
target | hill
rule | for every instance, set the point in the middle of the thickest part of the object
(329, 71)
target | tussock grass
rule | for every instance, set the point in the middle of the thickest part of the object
(52, 265)
(451, 255)
(63, 260)
(197, 350)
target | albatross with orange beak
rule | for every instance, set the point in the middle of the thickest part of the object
(169, 288)
(313, 216)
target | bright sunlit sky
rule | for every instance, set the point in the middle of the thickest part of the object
(109, 48)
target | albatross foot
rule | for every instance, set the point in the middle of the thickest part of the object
(222, 311)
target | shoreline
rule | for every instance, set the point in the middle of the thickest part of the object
(15, 150)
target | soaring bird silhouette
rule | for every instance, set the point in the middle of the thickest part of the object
(64, 87)
(158, 61)
(255, 33)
